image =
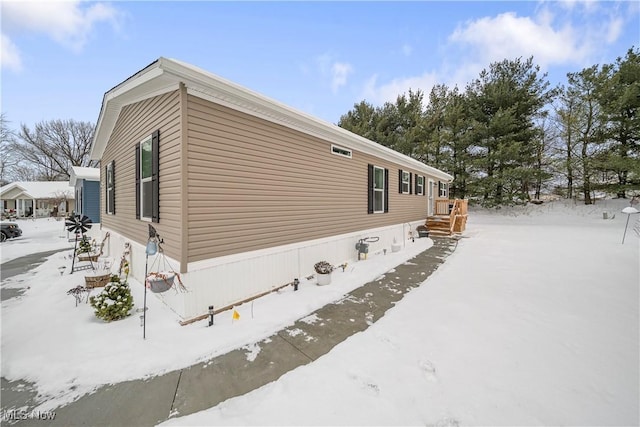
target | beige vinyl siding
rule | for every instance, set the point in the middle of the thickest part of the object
(254, 184)
(135, 122)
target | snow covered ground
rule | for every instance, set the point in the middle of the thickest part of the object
(38, 235)
(64, 349)
(533, 320)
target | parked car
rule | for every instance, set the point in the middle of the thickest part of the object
(9, 230)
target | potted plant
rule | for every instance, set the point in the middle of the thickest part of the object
(324, 270)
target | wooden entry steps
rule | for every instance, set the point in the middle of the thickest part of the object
(451, 217)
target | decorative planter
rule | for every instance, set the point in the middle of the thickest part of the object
(395, 247)
(87, 257)
(160, 282)
(324, 279)
(97, 281)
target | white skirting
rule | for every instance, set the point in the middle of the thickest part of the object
(231, 279)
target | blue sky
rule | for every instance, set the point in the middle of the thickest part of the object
(59, 58)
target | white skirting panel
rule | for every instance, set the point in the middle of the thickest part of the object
(232, 279)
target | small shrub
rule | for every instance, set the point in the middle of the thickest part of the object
(114, 302)
(84, 245)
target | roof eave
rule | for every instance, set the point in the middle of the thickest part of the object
(166, 74)
(127, 92)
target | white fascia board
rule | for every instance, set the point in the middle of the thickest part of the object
(205, 85)
(113, 102)
(168, 74)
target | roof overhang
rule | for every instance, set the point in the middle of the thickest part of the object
(9, 187)
(166, 75)
(89, 174)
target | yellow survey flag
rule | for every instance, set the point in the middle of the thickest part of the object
(236, 315)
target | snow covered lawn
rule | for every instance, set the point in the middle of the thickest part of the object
(532, 321)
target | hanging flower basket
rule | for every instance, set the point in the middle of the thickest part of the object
(162, 281)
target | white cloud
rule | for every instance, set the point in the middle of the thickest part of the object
(378, 94)
(566, 33)
(340, 71)
(9, 54)
(337, 72)
(510, 36)
(614, 29)
(69, 23)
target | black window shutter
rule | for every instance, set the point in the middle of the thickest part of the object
(106, 189)
(410, 178)
(155, 176)
(370, 190)
(386, 190)
(416, 184)
(137, 181)
(113, 187)
(400, 181)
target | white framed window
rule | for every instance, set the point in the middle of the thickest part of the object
(443, 188)
(340, 151)
(146, 184)
(406, 182)
(378, 189)
(110, 196)
(420, 185)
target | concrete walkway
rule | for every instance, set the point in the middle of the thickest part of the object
(189, 390)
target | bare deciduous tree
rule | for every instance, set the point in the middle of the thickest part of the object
(7, 159)
(54, 146)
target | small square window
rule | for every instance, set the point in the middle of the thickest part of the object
(340, 151)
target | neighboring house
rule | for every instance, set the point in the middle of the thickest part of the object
(246, 192)
(37, 198)
(86, 183)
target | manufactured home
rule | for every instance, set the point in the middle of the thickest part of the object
(86, 184)
(247, 193)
